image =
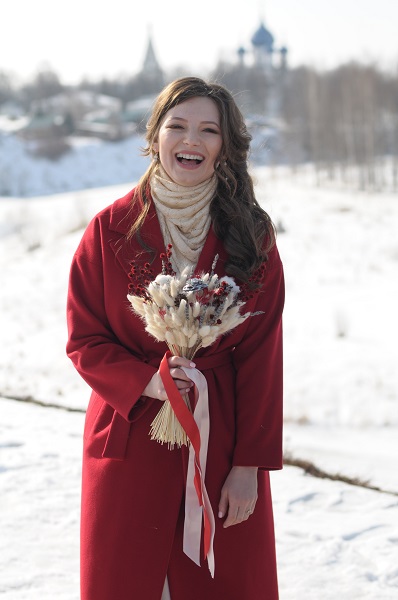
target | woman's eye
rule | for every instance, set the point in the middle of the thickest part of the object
(175, 126)
(211, 130)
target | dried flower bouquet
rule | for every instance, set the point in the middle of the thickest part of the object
(188, 312)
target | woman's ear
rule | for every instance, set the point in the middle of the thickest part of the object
(155, 147)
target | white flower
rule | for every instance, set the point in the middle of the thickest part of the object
(163, 279)
(170, 338)
(176, 318)
(182, 309)
(204, 331)
(231, 282)
(196, 309)
(192, 340)
(174, 288)
(137, 304)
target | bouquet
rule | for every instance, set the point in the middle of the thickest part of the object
(188, 312)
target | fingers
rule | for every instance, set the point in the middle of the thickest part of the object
(237, 514)
(231, 517)
(155, 388)
(181, 379)
(240, 492)
(180, 361)
(180, 375)
(223, 504)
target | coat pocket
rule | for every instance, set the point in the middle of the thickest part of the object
(98, 416)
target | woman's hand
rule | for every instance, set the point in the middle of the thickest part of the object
(238, 495)
(155, 388)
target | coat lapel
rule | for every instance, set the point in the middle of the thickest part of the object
(122, 213)
(127, 250)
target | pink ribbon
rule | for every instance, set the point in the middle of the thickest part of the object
(198, 509)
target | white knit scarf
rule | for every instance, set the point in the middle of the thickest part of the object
(184, 216)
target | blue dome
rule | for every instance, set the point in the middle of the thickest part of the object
(263, 38)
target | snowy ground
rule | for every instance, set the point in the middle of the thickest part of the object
(340, 253)
(334, 540)
(90, 163)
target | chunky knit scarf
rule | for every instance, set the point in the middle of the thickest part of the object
(184, 216)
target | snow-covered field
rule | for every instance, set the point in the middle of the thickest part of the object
(90, 163)
(340, 252)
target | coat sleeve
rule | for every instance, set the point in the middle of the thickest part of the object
(109, 368)
(259, 377)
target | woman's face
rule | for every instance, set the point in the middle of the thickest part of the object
(189, 141)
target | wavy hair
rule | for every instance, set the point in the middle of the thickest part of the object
(238, 220)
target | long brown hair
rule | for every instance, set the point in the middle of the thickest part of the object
(237, 218)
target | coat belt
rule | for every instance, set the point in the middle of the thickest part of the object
(119, 430)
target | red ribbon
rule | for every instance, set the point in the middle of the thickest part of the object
(187, 421)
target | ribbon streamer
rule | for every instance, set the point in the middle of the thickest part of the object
(197, 426)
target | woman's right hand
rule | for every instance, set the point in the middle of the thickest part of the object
(155, 388)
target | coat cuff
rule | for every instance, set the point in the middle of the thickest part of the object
(249, 456)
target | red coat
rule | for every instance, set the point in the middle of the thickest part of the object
(133, 487)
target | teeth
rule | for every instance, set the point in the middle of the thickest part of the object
(189, 156)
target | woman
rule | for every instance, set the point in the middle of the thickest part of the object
(198, 196)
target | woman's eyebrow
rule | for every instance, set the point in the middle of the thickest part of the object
(203, 122)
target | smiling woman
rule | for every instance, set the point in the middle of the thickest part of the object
(189, 141)
(140, 521)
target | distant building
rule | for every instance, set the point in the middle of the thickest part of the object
(11, 109)
(151, 77)
(270, 63)
(78, 112)
(264, 51)
(12, 117)
(151, 66)
(138, 111)
(263, 48)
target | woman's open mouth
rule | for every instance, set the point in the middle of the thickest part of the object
(189, 159)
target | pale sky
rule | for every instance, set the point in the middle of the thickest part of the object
(86, 38)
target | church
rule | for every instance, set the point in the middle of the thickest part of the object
(256, 73)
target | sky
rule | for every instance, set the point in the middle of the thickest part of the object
(92, 39)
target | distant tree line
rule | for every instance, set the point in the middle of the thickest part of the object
(47, 83)
(343, 120)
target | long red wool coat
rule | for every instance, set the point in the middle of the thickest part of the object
(133, 487)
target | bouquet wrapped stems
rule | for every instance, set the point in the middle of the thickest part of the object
(166, 428)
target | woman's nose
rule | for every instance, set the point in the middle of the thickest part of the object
(191, 138)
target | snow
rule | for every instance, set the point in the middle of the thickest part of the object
(39, 519)
(340, 253)
(90, 163)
